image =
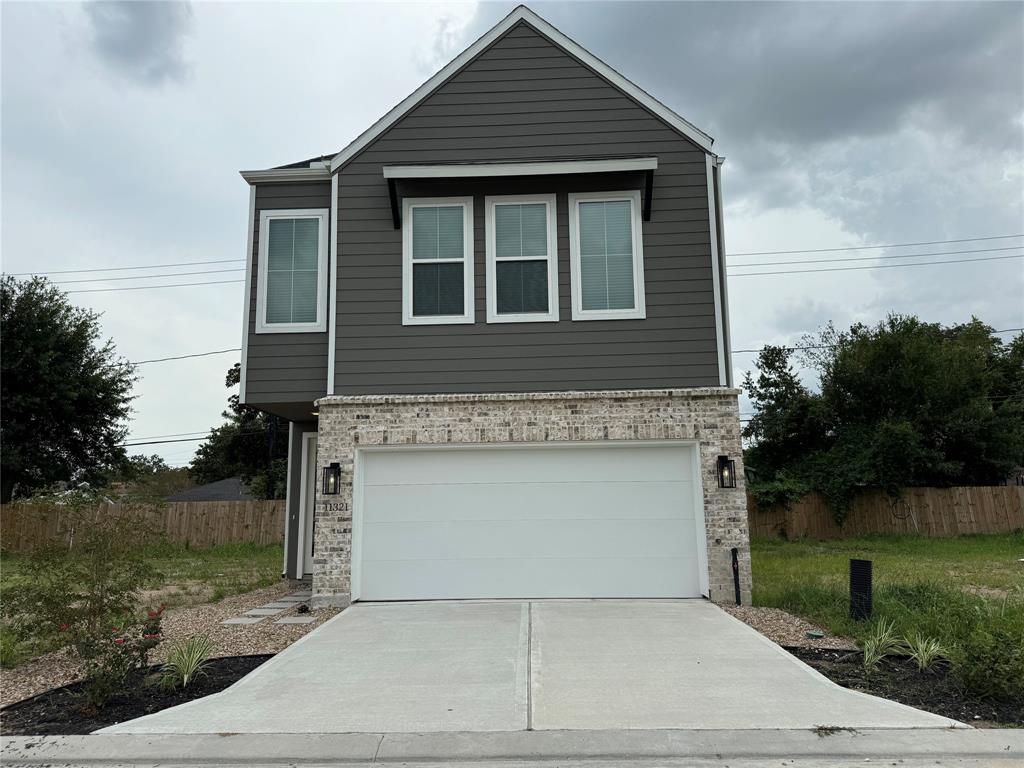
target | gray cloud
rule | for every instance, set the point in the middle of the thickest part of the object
(142, 41)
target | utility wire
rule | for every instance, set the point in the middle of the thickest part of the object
(182, 357)
(120, 269)
(874, 258)
(147, 277)
(187, 439)
(877, 266)
(868, 247)
(150, 287)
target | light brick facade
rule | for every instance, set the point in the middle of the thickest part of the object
(709, 416)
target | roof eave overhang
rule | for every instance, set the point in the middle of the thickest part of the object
(538, 168)
(688, 129)
(272, 175)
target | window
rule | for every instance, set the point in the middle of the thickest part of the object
(291, 292)
(522, 259)
(606, 256)
(437, 261)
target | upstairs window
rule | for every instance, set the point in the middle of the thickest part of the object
(522, 259)
(437, 261)
(606, 256)
(292, 280)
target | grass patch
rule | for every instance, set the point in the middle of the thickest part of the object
(966, 593)
(187, 577)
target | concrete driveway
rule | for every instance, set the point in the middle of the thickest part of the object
(543, 665)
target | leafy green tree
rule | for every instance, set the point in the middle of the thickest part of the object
(903, 403)
(64, 393)
(147, 478)
(251, 444)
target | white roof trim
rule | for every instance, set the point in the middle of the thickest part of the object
(287, 174)
(522, 13)
(542, 168)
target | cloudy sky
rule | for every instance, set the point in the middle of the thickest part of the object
(843, 124)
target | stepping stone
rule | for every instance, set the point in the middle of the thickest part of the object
(244, 620)
(302, 595)
(281, 605)
(264, 611)
(291, 600)
(296, 620)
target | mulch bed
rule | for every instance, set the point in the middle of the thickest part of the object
(61, 710)
(899, 679)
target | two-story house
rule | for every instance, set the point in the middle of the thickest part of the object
(497, 322)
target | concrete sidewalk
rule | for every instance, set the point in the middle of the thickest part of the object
(905, 747)
(542, 665)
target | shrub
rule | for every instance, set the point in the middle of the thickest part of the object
(989, 663)
(87, 594)
(186, 661)
(926, 651)
(880, 642)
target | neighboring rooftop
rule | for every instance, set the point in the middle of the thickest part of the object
(230, 489)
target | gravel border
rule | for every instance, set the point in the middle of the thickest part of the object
(60, 668)
(786, 629)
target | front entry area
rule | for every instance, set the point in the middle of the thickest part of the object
(564, 520)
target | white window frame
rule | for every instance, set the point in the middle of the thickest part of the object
(490, 203)
(468, 301)
(320, 325)
(639, 310)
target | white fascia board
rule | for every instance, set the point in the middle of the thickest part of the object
(247, 299)
(543, 168)
(522, 13)
(723, 374)
(286, 174)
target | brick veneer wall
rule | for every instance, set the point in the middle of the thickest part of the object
(709, 416)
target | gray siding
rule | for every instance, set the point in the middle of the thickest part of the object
(284, 367)
(526, 99)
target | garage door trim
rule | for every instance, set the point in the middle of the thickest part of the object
(360, 453)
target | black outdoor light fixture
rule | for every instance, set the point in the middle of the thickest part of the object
(726, 472)
(332, 479)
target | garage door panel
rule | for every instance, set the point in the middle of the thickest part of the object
(461, 539)
(527, 501)
(614, 520)
(536, 464)
(538, 578)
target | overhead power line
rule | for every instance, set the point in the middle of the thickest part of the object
(869, 247)
(182, 357)
(875, 258)
(876, 266)
(187, 439)
(152, 287)
(174, 434)
(147, 277)
(120, 269)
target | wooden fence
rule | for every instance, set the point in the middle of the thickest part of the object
(195, 523)
(921, 511)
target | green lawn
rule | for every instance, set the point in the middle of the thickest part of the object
(186, 577)
(967, 592)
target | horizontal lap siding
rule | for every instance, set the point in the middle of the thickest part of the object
(526, 99)
(302, 355)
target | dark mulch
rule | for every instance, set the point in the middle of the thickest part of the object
(899, 679)
(62, 711)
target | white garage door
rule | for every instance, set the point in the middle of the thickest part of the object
(526, 522)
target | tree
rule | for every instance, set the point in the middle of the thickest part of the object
(903, 403)
(252, 445)
(143, 478)
(64, 394)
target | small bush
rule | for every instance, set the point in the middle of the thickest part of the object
(115, 660)
(926, 651)
(989, 663)
(186, 661)
(881, 641)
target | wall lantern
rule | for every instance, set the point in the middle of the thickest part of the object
(726, 472)
(332, 479)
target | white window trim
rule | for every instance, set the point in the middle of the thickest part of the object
(639, 312)
(468, 301)
(490, 203)
(321, 284)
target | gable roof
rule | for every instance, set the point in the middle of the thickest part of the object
(522, 13)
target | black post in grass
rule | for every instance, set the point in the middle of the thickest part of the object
(860, 590)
